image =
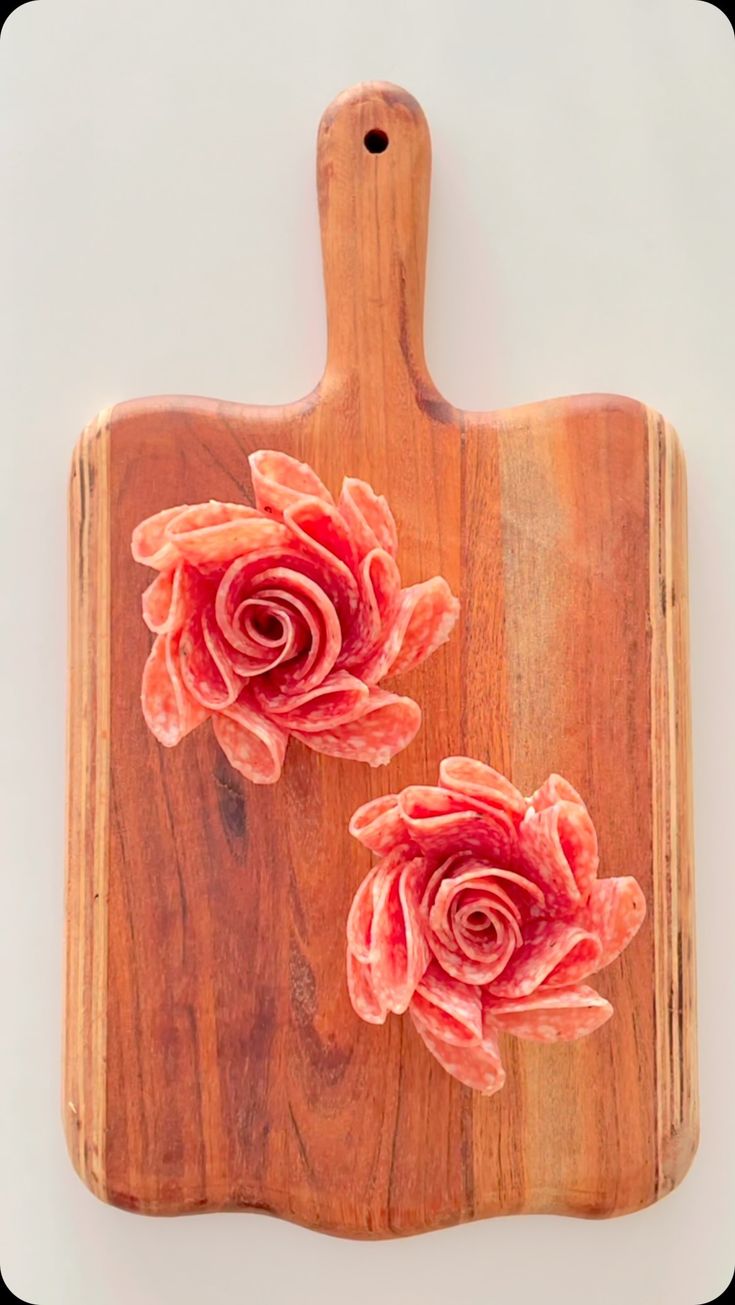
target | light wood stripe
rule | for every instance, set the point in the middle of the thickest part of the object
(88, 807)
(674, 992)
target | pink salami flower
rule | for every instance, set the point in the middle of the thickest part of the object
(484, 915)
(282, 620)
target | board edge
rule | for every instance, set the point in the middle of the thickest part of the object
(87, 807)
(675, 1016)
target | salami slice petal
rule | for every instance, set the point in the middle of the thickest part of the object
(559, 849)
(615, 912)
(385, 727)
(380, 587)
(206, 668)
(339, 698)
(476, 1065)
(386, 950)
(554, 952)
(378, 825)
(555, 789)
(368, 517)
(221, 653)
(279, 480)
(362, 993)
(253, 745)
(398, 951)
(442, 822)
(476, 780)
(428, 614)
(360, 918)
(218, 532)
(450, 1009)
(150, 544)
(371, 644)
(156, 601)
(169, 711)
(360, 984)
(448, 1016)
(549, 1015)
(320, 526)
(191, 589)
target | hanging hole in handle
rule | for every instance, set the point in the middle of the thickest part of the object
(375, 141)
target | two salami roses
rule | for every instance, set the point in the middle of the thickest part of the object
(483, 913)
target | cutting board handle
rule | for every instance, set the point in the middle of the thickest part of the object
(373, 174)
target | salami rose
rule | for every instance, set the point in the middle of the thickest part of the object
(484, 916)
(283, 619)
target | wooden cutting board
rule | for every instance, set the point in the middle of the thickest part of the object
(213, 1061)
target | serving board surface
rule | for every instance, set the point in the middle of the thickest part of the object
(212, 1058)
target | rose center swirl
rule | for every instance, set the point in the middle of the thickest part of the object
(474, 916)
(277, 617)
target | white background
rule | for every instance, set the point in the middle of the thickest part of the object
(159, 234)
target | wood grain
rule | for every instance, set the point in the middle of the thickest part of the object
(213, 1061)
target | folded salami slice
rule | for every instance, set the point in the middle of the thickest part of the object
(169, 709)
(385, 725)
(387, 952)
(253, 745)
(549, 1014)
